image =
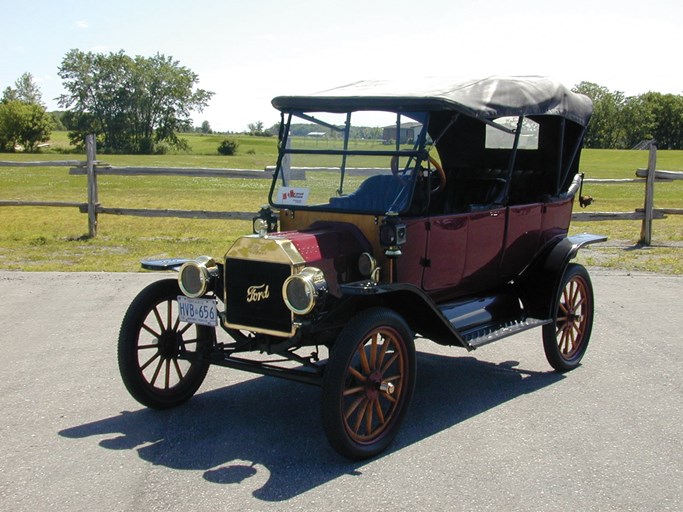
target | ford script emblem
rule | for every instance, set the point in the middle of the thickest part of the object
(258, 293)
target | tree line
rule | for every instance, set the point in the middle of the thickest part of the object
(139, 104)
(621, 122)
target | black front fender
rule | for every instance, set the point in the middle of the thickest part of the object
(409, 301)
(162, 265)
(173, 264)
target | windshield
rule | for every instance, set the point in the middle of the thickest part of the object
(354, 161)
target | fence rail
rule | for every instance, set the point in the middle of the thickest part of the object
(92, 168)
(44, 163)
(196, 172)
(183, 214)
(44, 203)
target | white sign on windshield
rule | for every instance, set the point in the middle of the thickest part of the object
(293, 195)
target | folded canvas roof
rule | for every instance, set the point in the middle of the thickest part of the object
(486, 98)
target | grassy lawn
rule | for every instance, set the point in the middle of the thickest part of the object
(41, 239)
(622, 251)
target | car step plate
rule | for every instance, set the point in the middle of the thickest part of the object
(484, 335)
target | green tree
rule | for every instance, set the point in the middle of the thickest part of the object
(256, 128)
(639, 121)
(132, 104)
(26, 90)
(57, 123)
(606, 128)
(206, 127)
(9, 94)
(23, 125)
(620, 122)
(666, 114)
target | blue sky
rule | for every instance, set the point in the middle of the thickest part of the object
(247, 52)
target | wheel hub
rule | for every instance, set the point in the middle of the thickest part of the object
(387, 387)
(572, 312)
(169, 343)
(375, 385)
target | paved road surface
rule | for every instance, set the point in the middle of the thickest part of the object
(492, 430)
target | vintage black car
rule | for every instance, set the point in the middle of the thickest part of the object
(449, 222)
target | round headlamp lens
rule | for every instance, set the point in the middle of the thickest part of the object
(193, 279)
(302, 291)
(298, 295)
(366, 264)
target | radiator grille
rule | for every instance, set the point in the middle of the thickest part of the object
(253, 295)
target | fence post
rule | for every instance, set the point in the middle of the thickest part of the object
(93, 201)
(646, 228)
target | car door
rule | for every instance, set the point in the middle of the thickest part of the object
(464, 252)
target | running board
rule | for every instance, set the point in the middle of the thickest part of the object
(482, 335)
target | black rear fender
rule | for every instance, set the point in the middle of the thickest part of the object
(537, 285)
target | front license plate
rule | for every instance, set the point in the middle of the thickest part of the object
(197, 311)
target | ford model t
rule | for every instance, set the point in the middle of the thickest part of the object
(450, 223)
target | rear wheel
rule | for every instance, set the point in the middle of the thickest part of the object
(368, 383)
(565, 340)
(157, 353)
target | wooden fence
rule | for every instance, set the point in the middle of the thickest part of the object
(92, 168)
(648, 213)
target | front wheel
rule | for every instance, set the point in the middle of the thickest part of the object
(157, 353)
(368, 383)
(565, 339)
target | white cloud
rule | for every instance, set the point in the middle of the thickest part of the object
(81, 24)
(42, 79)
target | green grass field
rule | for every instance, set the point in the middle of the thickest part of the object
(42, 239)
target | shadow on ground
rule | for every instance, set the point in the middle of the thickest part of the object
(269, 425)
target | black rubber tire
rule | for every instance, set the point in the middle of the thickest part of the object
(151, 343)
(368, 383)
(565, 340)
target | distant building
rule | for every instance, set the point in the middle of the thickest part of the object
(408, 132)
(316, 134)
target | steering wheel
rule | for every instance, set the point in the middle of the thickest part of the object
(400, 176)
(441, 173)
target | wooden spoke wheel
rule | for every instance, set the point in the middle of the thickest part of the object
(368, 383)
(565, 339)
(157, 353)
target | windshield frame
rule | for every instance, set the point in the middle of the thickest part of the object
(411, 159)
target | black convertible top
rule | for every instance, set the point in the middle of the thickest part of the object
(486, 98)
